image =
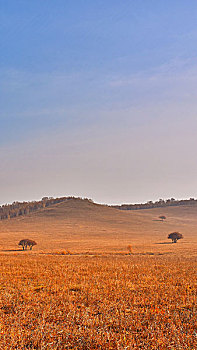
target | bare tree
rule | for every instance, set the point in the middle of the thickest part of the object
(174, 236)
(27, 243)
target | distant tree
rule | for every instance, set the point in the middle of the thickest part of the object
(27, 243)
(162, 217)
(23, 243)
(174, 236)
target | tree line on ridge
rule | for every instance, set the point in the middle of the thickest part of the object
(9, 211)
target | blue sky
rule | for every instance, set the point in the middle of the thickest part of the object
(98, 99)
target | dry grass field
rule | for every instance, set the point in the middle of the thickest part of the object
(109, 302)
(81, 226)
(79, 288)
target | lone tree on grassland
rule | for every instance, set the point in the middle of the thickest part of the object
(27, 242)
(162, 217)
(174, 236)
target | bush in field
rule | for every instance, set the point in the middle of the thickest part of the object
(162, 217)
(174, 236)
(129, 247)
(27, 243)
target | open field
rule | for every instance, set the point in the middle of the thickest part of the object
(80, 226)
(112, 302)
(98, 296)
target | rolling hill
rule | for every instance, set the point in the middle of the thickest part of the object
(82, 226)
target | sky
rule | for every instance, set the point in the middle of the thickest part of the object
(98, 99)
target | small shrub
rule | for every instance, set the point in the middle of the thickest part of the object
(162, 217)
(129, 247)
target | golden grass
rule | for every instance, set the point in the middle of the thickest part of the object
(80, 227)
(109, 302)
(99, 278)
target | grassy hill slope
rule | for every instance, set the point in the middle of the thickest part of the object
(82, 226)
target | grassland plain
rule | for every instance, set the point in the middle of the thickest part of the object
(82, 226)
(98, 302)
(98, 296)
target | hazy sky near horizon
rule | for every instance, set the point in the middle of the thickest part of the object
(98, 99)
